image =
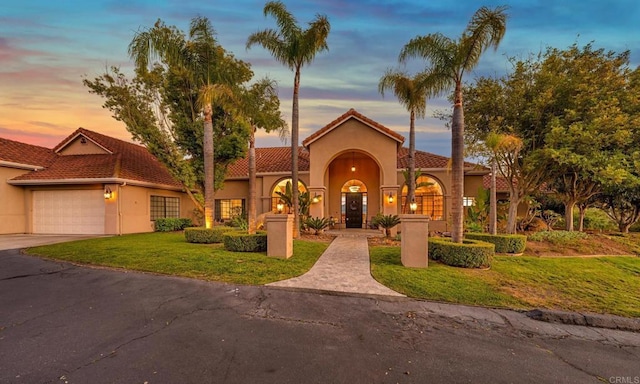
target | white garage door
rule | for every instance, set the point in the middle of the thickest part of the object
(68, 212)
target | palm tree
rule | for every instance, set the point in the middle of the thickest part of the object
(449, 59)
(262, 107)
(294, 47)
(412, 93)
(197, 57)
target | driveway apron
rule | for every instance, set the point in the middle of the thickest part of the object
(343, 267)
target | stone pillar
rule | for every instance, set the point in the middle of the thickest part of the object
(414, 251)
(316, 209)
(279, 236)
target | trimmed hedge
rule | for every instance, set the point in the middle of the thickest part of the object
(503, 243)
(206, 235)
(236, 241)
(172, 224)
(469, 254)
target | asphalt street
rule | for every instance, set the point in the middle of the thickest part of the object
(61, 323)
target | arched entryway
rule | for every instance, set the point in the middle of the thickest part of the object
(352, 182)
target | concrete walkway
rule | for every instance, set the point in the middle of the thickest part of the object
(343, 267)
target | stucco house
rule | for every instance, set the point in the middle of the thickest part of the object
(94, 184)
(352, 169)
(88, 184)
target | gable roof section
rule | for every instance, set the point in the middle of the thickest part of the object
(270, 160)
(353, 114)
(21, 155)
(127, 162)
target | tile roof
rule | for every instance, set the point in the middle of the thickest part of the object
(278, 159)
(428, 160)
(501, 183)
(127, 161)
(270, 159)
(27, 154)
(352, 113)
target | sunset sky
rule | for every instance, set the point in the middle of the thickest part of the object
(48, 47)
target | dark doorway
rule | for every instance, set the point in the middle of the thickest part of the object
(354, 210)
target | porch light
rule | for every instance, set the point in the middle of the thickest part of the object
(316, 199)
(390, 198)
(353, 162)
(413, 206)
(280, 207)
(107, 193)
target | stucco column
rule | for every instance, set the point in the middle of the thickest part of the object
(390, 207)
(279, 236)
(414, 251)
(316, 209)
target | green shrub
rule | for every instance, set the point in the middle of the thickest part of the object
(172, 224)
(385, 221)
(206, 235)
(503, 243)
(595, 219)
(558, 237)
(469, 254)
(317, 223)
(237, 241)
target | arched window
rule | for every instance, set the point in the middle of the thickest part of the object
(429, 198)
(282, 193)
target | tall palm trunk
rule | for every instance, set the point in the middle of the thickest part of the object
(411, 193)
(294, 156)
(457, 166)
(493, 201)
(251, 204)
(209, 176)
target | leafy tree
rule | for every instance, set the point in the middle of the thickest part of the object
(412, 93)
(622, 205)
(294, 47)
(448, 60)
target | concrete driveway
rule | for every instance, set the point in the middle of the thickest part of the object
(20, 241)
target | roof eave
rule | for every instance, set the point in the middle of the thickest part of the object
(107, 180)
(10, 164)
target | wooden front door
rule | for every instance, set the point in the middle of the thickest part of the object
(354, 210)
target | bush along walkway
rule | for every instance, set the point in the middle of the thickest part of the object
(343, 267)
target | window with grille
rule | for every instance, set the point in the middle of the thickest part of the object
(164, 207)
(429, 198)
(227, 209)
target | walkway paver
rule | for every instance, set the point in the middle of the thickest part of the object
(343, 267)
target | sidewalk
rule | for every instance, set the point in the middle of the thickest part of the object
(343, 267)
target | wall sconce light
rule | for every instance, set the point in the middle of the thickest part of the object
(280, 207)
(390, 198)
(107, 193)
(413, 206)
(316, 198)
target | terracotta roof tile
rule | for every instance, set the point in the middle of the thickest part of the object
(427, 160)
(270, 159)
(352, 113)
(128, 161)
(501, 183)
(21, 153)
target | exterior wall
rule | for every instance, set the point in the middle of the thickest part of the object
(135, 208)
(352, 136)
(13, 218)
(76, 147)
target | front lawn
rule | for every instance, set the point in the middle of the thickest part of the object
(170, 254)
(600, 285)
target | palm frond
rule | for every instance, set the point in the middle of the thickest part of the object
(485, 29)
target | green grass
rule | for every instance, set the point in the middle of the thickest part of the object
(600, 285)
(170, 254)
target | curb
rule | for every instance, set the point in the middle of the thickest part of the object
(586, 319)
